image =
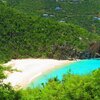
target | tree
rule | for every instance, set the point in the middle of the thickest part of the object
(6, 90)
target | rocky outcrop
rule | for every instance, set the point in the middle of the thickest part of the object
(94, 49)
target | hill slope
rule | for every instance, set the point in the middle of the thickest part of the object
(25, 36)
(80, 12)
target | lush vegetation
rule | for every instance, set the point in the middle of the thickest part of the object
(24, 33)
(72, 87)
(6, 91)
(26, 36)
(80, 12)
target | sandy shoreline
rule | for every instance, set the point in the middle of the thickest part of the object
(29, 69)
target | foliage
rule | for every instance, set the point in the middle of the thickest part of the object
(2, 76)
(72, 87)
(80, 12)
(6, 91)
(23, 36)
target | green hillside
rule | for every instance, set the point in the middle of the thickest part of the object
(25, 36)
(79, 12)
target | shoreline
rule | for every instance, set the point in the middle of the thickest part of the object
(30, 69)
(45, 72)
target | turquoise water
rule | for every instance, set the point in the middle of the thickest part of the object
(82, 67)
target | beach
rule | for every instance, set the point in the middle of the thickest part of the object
(29, 69)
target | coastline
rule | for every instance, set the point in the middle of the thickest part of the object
(30, 69)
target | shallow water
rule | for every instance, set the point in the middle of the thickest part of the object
(82, 67)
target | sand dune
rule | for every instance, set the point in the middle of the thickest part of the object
(29, 69)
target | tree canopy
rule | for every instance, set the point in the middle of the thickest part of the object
(24, 36)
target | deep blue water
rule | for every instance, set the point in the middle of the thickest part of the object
(82, 67)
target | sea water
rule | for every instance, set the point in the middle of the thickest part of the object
(82, 67)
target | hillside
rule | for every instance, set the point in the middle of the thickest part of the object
(22, 36)
(79, 12)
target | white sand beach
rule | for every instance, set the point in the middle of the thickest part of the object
(29, 69)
